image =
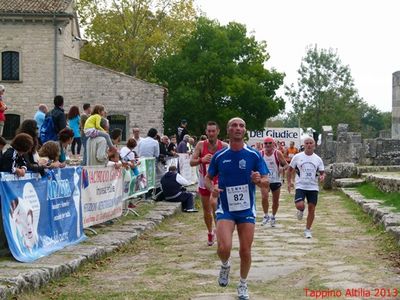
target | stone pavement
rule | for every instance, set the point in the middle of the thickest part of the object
(341, 257)
(344, 256)
(16, 277)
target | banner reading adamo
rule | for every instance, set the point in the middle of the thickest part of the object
(41, 215)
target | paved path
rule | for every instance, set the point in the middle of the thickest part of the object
(175, 263)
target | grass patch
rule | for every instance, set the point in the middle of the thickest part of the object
(387, 242)
(370, 191)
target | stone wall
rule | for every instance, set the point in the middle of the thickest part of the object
(35, 43)
(349, 147)
(41, 44)
(141, 102)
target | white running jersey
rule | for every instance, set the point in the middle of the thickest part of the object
(273, 167)
(307, 169)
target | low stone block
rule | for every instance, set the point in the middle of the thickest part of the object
(380, 212)
(348, 182)
(370, 207)
(395, 230)
(391, 219)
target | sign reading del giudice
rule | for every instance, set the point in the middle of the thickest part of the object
(282, 135)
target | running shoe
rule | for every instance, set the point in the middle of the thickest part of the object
(223, 278)
(300, 214)
(265, 220)
(210, 238)
(243, 292)
(307, 233)
(273, 221)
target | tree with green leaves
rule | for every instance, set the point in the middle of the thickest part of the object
(325, 92)
(219, 74)
(325, 95)
(131, 35)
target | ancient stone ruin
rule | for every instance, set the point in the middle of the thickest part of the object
(351, 148)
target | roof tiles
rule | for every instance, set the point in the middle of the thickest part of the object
(34, 6)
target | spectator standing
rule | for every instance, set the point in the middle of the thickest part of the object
(149, 147)
(191, 145)
(93, 128)
(172, 146)
(40, 115)
(3, 108)
(137, 137)
(58, 114)
(74, 120)
(163, 147)
(116, 135)
(97, 148)
(183, 145)
(128, 155)
(84, 116)
(181, 131)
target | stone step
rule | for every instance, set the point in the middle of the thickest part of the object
(385, 182)
(348, 182)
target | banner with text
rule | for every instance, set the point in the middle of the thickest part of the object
(282, 135)
(140, 180)
(188, 172)
(101, 194)
(41, 214)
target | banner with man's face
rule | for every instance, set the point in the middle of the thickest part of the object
(41, 215)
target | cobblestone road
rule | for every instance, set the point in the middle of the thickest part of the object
(173, 262)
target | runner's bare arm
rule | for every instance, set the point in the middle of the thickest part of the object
(321, 176)
(196, 159)
(282, 160)
(260, 180)
(290, 171)
(211, 187)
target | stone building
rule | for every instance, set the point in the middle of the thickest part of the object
(40, 43)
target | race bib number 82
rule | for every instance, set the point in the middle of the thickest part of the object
(238, 197)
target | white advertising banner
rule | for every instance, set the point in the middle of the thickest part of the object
(101, 194)
(282, 135)
(187, 172)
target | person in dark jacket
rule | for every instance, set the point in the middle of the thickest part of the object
(3, 143)
(181, 131)
(58, 114)
(13, 159)
(172, 186)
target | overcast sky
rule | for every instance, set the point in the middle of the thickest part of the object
(365, 33)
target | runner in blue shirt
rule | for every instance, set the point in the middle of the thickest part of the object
(239, 169)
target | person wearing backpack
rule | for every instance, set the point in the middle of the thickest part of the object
(54, 122)
(273, 158)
